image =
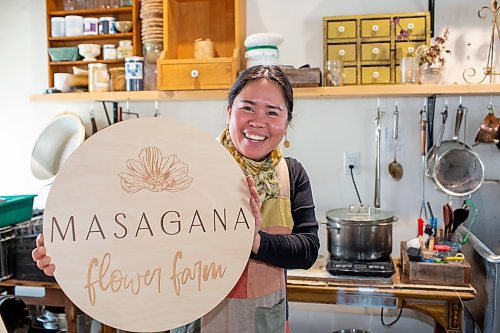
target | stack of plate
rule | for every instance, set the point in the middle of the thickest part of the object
(152, 21)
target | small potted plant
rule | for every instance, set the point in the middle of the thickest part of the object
(431, 58)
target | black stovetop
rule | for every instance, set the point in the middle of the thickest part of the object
(381, 268)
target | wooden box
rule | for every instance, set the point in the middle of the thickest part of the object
(450, 274)
(369, 45)
(184, 21)
(302, 77)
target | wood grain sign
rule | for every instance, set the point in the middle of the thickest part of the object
(149, 225)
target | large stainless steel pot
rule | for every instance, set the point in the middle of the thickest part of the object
(359, 233)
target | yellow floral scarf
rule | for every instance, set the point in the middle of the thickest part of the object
(263, 172)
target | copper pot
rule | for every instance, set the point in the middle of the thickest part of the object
(489, 132)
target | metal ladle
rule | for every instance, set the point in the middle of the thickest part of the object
(395, 168)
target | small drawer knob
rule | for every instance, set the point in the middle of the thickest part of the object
(376, 75)
(375, 50)
(194, 73)
(411, 49)
(411, 26)
(341, 53)
(341, 29)
(375, 28)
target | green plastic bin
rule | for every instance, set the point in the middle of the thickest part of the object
(15, 208)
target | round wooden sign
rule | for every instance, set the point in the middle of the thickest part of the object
(149, 225)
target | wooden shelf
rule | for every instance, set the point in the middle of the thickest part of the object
(81, 62)
(126, 35)
(364, 91)
(85, 12)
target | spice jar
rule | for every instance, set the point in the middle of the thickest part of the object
(134, 73)
(109, 52)
(124, 49)
(98, 77)
(90, 26)
(107, 25)
(117, 78)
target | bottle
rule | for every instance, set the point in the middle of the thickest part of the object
(134, 73)
(124, 49)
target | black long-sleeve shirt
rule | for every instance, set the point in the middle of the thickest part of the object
(300, 248)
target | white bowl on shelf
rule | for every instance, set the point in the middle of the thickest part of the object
(89, 51)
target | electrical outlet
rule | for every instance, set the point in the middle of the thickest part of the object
(351, 158)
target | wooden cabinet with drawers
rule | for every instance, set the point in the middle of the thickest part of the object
(184, 21)
(369, 46)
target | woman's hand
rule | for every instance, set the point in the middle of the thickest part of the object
(255, 206)
(41, 258)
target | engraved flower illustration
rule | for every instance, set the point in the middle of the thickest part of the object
(155, 172)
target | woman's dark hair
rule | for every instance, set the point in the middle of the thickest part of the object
(268, 72)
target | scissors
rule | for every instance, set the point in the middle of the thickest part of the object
(456, 257)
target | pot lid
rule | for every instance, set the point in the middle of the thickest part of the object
(360, 214)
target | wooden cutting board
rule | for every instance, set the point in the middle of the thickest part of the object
(149, 224)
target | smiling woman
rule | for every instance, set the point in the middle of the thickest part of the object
(260, 106)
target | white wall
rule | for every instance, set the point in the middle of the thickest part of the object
(322, 130)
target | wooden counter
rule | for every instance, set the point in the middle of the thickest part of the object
(442, 303)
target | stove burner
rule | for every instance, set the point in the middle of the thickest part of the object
(383, 268)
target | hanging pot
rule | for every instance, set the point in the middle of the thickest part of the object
(489, 132)
(359, 233)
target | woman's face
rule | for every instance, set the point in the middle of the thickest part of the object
(258, 119)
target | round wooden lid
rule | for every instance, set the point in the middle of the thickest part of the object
(149, 224)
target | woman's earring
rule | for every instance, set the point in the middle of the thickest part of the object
(286, 143)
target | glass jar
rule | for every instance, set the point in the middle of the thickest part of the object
(109, 52)
(409, 70)
(107, 25)
(98, 77)
(134, 73)
(430, 74)
(152, 51)
(124, 49)
(335, 73)
(117, 78)
(125, 3)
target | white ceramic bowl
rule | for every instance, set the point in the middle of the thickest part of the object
(89, 51)
(123, 26)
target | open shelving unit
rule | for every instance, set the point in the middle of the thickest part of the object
(55, 9)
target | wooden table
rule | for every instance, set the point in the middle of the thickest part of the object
(442, 303)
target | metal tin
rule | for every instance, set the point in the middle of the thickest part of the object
(134, 73)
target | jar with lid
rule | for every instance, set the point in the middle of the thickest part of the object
(134, 73)
(151, 51)
(124, 49)
(107, 25)
(109, 52)
(98, 77)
